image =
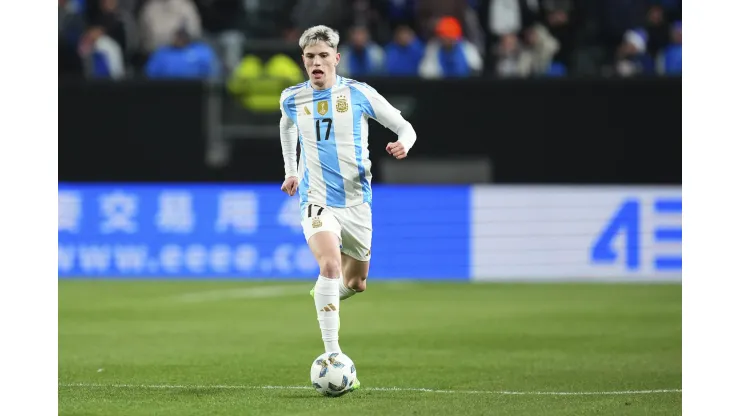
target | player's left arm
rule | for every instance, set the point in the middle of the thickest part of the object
(391, 118)
(289, 144)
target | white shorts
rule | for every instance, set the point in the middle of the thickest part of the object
(353, 226)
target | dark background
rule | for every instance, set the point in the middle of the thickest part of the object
(605, 131)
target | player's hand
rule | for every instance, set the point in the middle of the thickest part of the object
(396, 150)
(290, 185)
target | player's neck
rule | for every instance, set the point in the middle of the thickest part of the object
(327, 85)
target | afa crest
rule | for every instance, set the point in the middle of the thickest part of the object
(316, 222)
(322, 107)
(342, 105)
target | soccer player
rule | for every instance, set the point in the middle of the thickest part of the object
(328, 116)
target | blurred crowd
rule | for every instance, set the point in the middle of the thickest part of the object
(405, 38)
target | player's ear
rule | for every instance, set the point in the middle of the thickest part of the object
(339, 56)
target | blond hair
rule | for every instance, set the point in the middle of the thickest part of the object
(316, 34)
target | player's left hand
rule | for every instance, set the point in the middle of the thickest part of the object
(396, 149)
(290, 185)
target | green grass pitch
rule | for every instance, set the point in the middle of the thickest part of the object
(211, 348)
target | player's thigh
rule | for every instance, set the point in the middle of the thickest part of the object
(357, 231)
(323, 234)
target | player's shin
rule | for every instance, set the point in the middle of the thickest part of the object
(326, 299)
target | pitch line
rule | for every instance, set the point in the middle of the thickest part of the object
(391, 389)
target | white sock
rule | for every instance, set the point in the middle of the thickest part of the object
(344, 291)
(326, 299)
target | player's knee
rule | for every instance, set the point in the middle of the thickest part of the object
(330, 267)
(358, 284)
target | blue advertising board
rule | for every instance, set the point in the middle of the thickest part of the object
(248, 231)
(483, 233)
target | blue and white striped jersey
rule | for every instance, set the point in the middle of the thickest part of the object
(332, 128)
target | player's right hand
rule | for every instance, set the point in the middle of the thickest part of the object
(290, 185)
(396, 149)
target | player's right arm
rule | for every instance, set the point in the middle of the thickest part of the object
(390, 117)
(289, 144)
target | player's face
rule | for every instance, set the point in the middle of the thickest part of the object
(321, 62)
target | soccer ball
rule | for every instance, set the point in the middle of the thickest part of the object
(333, 374)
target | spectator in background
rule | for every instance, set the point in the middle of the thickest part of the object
(371, 14)
(362, 57)
(449, 54)
(223, 21)
(530, 57)
(669, 62)
(472, 28)
(160, 19)
(71, 22)
(403, 55)
(512, 60)
(615, 17)
(542, 47)
(509, 16)
(118, 24)
(559, 19)
(632, 57)
(71, 28)
(101, 55)
(658, 29)
(184, 58)
(401, 12)
(429, 11)
(500, 18)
